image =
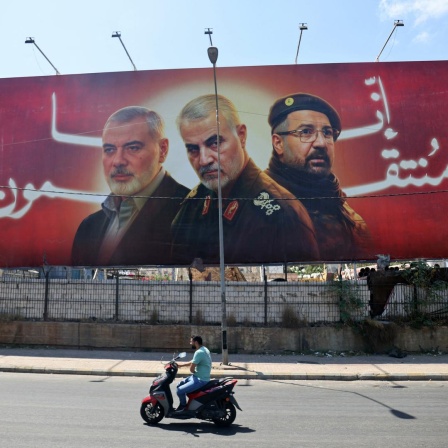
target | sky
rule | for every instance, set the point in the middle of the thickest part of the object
(77, 36)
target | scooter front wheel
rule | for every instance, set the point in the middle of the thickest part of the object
(152, 413)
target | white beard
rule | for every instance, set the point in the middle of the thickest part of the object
(128, 188)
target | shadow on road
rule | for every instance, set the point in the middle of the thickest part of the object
(394, 412)
(196, 429)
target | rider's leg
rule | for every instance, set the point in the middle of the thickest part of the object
(187, 386)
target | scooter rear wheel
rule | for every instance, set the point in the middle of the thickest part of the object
(228, 418)
(152, 414)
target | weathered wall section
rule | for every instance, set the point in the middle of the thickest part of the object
(240, 339)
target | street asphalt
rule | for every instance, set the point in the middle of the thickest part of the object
(314, 366)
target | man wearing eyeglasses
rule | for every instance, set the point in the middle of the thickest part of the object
(304, 131)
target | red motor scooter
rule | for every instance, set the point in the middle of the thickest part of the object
(213, 402)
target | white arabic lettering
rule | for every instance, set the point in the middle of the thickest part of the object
(393, 171)
(389, 133)
(390, 153)
(376, 127)
(70, 138)
(31, 194)
(435, 146)
(392, 180)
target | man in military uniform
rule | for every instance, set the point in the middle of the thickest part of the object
(133, 227)
(262, 222)
(304, 131)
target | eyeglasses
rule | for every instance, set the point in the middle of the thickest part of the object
(308, 135)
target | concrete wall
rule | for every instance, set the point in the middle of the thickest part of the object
(240, 339)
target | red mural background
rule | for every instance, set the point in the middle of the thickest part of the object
(391, 158)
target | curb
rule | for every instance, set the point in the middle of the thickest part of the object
(243, 376)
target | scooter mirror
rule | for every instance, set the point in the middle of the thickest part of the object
(181, 355)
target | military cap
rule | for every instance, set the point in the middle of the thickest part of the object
(302, 101)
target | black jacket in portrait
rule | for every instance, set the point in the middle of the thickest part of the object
(148, 239)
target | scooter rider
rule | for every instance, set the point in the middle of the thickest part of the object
(200, 367)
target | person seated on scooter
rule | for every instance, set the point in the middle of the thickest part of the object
(200, 367)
